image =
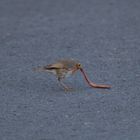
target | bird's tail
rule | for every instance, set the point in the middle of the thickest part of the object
(39, 69)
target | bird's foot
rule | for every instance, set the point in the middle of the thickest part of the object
(68, 89)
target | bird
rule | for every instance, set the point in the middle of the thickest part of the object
(65, 68)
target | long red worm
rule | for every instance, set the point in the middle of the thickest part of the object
(91, 83)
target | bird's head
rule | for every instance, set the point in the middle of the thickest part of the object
(78, 66)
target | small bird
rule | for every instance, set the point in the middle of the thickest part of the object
(65, 68)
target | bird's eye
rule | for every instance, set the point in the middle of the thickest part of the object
(78, 65)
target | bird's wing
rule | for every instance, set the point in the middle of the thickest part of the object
(67, 63)
(55, 66)
(62, 64)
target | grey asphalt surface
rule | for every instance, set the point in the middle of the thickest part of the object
(103, 35)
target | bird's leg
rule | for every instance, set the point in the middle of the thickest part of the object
(93, 84)
(66, 88)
